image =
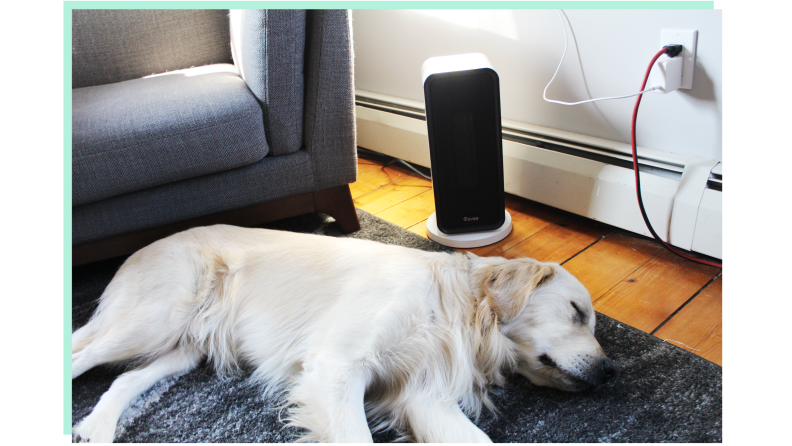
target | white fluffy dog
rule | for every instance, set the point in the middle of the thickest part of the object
(421, 336)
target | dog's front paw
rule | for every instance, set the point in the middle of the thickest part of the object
(93, 431)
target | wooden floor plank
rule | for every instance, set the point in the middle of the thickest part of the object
(419, 228)
(698, 325)
(651, 294)
(611, 260)
(558, 242)
(410, 212)
(375, 179)
(365, 165)
(527, 219)
(392, 194)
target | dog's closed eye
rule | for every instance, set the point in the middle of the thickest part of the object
(548, 361)
(580, 316)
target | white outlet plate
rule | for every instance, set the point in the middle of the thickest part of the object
(688, 39)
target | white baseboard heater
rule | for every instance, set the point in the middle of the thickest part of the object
(588, 176)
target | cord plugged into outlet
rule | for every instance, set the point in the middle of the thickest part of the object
(688, 40)
(674, 49)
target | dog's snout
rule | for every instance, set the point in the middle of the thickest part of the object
(608, 369)
(598, 373)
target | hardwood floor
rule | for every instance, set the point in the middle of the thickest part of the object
(631, 279)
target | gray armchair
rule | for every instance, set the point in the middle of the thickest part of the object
(183, 118)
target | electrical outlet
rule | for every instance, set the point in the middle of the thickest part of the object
(687, 39)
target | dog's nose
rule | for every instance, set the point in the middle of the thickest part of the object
(608, 370)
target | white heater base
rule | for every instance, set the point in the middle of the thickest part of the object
(469, 239)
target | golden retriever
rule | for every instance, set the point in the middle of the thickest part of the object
(333, 322)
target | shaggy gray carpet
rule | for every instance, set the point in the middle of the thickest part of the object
(661, 393)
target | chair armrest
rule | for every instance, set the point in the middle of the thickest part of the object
(269, 51)
(329, 129)
(298, 64)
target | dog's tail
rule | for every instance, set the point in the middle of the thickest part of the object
(81, 338)
(96, 325)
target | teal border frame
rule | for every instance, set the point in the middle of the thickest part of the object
(67, 220)
(391, 4)
(69, 6)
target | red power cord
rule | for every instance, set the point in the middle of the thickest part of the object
(638, 178)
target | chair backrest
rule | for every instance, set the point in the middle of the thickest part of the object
(116, 45)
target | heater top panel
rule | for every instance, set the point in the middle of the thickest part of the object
(458, 62)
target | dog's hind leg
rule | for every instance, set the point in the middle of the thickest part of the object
(99, 426)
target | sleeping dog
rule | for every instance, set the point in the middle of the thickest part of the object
(346, 329)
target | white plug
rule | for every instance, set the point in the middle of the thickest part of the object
(666, 74)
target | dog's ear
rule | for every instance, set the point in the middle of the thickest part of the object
(509, 285)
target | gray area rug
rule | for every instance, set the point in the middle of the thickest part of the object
(661, 393)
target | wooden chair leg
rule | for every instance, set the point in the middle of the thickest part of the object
(337, 203)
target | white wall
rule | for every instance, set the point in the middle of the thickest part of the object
(613, 48)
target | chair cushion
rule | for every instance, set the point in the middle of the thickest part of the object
(146, 132)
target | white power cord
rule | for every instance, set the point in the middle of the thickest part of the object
(566, 43)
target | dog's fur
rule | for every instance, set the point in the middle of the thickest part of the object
(328, 321)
